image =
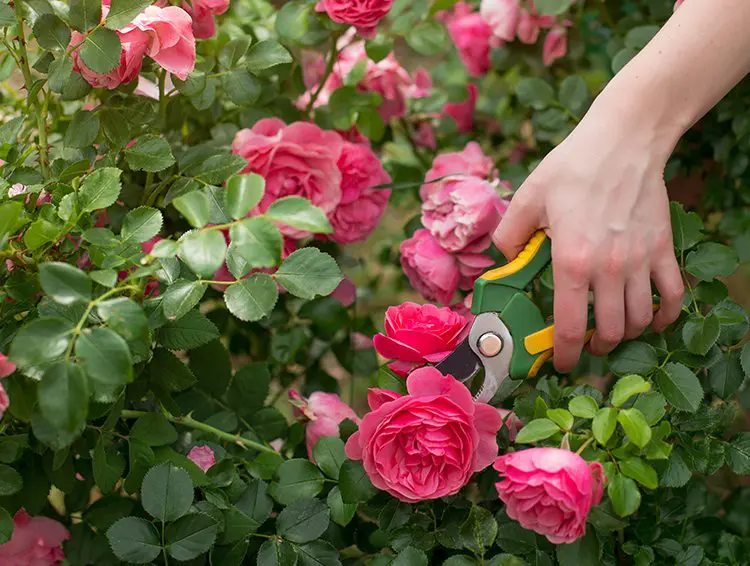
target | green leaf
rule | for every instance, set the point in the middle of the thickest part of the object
(574, 93)
(140, 224)
(6, 526)
(134, 540)
(628, 386)
(536, 430)
(253, 298)
(101, 50)
(191, 536)
(292, 21)
(583, 552)
(318, 553)
(652, 406)
(428, 38)
(153, 429)
(7, 16)
(677, 473)
(10, 215)
(108, 466)
(233, 52)
(51, 32)
(105, 357)
(230, 555)
(195, 207)
(84, 14)
(329, 455)
(710, 260)
(277, 552)
(604, 424)
(100, 189)
(241, 87)
(354, 484)
(640, 471)
(150, 153)
(300, 213)
(82, 130)
(40, 342)
(125, 317)
(700, 333)
(410, 556)
(169, 372)
(552, 7)
(624, 495)
(243, 193)
(64, 396)
(297, 479)
(190, 331)
(39, 233)
(308, 273)
(249, 389)
(341, 513)
(180, 298)
(64, 283)
(535, 93)
(11, 481)
(105, 277)
(738, 453)
(583, 406)
(633, 357)
(479, 531)
(255, 503)
(687, 227)
(680, 387)
(635, 426)
(122, 12)
(258, 241)
(167, 492)
(726, 375)
(265, 55)
(562, 417)
(203, 251)
(217, 168)
(638, 37)
(303, 521)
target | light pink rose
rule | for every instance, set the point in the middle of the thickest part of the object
(502, 16)
(550, 491)
(555, 45)
(463, 112)
(6, 366)
(36, 541)
(4, 404)
(677, 4)
(134, 47)
(462, 215)
(530, 23)
(430, 269)
(470, 267)
(299, 159)
(361, 342)
(427, 444)
(424, 135)
(389, 79)
(202, 456)
(364, 15)
(324, 411)
(419, 334)
(470, 162)
(471, 34)
(511, 422)
(203, 12)
(361, 206)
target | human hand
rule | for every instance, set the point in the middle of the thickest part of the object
(601, 197)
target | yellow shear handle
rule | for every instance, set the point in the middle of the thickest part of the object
(522, 259)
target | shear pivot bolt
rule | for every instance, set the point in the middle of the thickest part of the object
(490, 344)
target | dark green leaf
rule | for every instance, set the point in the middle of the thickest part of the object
(297, 479)
(191, 536)
(167, 492)
(303, 521)
(100, 189)
(150, 153)
(229, 555)
(154, 430)
(265, 55)
(677, 473)
(140, 224)
(410, 556)
(633, 357)
(710, 260)
(354, 484)
(65, 283)
(726, 375)
(241, 87)
(680, 387)
(40, 342)
(687, 227)
(428, 38)
(51, 32)
(535, 93)
(83, 129)
(277, 552)
(134, 540)
(738, 453)
(125, 317)
(583, 552)
(101, 50)
(217, 168)
(105, 357)
(249, 388)
(122, 12)
(318, 553)
(10, 481)
(190, 331)
(64, 395)
(243, 193)
(258, 241)
(180, 298)
(308, 273)
(341, 513)
(169, 372)
(574, 93)
(108, 466)
(329, 455)
(624, 495)
(84, 14)
(253, 298)
(292, 21)
(6, 526)
(652, 406)
(700, 333)
(479, 530)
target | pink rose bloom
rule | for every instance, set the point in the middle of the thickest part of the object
(299, 159)
(361, 342)
(364, 15)
(555, 45)
(134, 47)
(389, 79)
(424, 135)
(511, 422)
(430, 269)
(203, 12)
(677, 4)
(202, 456)
(345, 293)
(470, 267)
(471, 34)
(470, 162)
(324, 411)
(550, 491)
(361, 207)
(463, 112)
(148, 245)
(462, 215)
(36, 541)
(419, 334)
(530, 23)
(170, 38)
(4, 404)
(6, 366)
(502, 16)
(427, 444)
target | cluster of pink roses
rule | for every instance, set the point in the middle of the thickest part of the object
(364, 15)
(36, 541)
(460, 209)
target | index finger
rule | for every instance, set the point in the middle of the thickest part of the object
(570, 312)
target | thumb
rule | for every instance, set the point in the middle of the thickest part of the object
(516, 227)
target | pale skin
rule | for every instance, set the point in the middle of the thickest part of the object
(600, 195)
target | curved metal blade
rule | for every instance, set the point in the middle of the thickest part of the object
(462, 363)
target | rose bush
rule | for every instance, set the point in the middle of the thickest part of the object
(237, 237)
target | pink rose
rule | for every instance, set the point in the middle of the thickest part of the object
(6, 366)
(362, 14)
(470, 162)
(389, 79)
(299, 159)
(530, 23)
(4, 404)
(424, 135)
(555, 45)
(511, 422)
(345, 293)
(471, 35)
(134, 47)
(470, 267)
(36, 541)
(677, 4)
(427, 444)
(430, 269)
(148, 245)
(502, 16)
(463, 112)
(550, 491)
(361, 206)
(202, 456)
(419, 334)
(324, 411)
(203, 12)
(462, 215)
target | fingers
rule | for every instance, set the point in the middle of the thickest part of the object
(609, 309)
(639, 310)
(517, 226)
(666, 275)
(571, 282)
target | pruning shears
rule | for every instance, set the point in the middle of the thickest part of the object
(509, 337)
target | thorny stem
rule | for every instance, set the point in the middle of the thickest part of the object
(190, 422)
(324, 79)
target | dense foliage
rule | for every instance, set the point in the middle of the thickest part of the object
(206, 208)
